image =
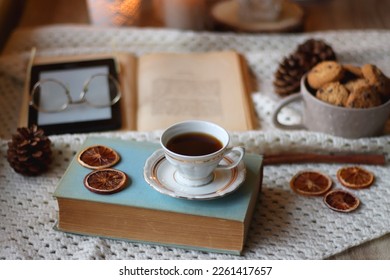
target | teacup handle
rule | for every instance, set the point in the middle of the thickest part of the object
(237, 150)
(283, 103)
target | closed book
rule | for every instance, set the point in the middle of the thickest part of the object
(139, 213)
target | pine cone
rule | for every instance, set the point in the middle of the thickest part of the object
(292, 68)
(314, 52)
(288, 76)
(29, 152)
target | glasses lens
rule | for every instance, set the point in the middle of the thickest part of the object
(102, 91)
(50, 96)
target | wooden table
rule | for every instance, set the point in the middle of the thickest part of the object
(320, 16)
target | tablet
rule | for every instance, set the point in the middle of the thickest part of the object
(77, 117)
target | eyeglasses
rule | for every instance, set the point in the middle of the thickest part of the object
(52, 95)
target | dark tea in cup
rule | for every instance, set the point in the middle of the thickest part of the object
(194, 144)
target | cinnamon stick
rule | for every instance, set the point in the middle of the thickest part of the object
(373, 159)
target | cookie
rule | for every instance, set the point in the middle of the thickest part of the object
(354, 70)
(376, 78)
(363, 97)
(351, 72)
(333, 93)
(323, 73)
(355, 84)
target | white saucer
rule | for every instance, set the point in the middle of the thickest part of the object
(160, 175)
(226, 12)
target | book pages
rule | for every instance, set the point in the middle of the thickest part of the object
(203, 86)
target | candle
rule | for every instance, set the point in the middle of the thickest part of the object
(114, 12)
(184, 14)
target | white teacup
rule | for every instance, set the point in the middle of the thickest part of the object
(195, 149)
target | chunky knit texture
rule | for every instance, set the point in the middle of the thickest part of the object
(285, 225)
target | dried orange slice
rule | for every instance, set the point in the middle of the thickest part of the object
(96, 157)
(355, 177)
(341, 201)
(105, 181)
(311, 183)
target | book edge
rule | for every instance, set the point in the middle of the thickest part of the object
(241, 229)
(204, 249)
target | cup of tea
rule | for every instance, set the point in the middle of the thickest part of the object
(196, 148)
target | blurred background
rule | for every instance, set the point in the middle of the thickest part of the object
(210, 15)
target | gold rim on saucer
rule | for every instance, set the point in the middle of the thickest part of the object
(160, 175)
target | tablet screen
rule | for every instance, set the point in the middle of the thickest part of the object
(77, 117)
(74, 79)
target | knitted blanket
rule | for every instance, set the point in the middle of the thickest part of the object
(285, 225)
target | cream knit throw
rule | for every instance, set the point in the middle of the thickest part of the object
(285, 225)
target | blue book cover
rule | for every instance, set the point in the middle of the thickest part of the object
(235, 207)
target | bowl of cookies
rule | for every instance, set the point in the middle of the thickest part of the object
(342, 100)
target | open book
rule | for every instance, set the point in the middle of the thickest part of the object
(163, 88)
